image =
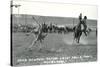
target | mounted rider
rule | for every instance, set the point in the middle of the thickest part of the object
(80, 22)
(78, 28)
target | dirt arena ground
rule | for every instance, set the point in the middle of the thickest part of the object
(54, 45)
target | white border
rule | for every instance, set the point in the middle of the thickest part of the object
(5, 34)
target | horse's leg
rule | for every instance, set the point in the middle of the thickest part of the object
(85, 33)
(40, 45)
(34, 41)
(42, 40)
(77, 40)
(79, 37)
(30, 47)
(74, 38)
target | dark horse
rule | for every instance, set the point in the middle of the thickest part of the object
(77, 32)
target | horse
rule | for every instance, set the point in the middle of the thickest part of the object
(39, 34)
(77, 32)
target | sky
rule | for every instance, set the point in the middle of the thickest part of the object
(55, 9)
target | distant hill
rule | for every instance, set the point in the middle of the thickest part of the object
(27, 19)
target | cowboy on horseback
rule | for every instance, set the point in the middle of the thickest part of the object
(77, 30)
